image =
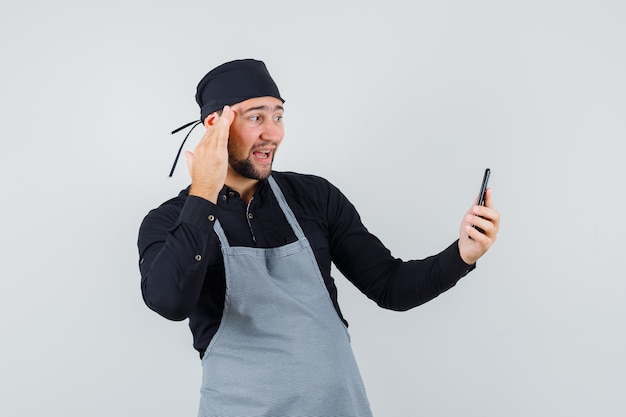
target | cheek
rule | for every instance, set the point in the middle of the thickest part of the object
(236, 147)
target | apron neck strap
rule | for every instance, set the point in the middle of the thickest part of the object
(282, 202)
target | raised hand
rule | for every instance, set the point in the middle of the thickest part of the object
(472, 242)
(208, 164)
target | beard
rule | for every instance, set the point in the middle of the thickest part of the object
(246, 169)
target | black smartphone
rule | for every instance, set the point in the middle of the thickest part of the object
(481, 194)
(483, 187)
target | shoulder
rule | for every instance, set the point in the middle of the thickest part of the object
(167, 211)
(301, 183)
(311, 192)
(307, 187)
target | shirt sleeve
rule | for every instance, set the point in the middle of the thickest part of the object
(391, 282)
(176, 247)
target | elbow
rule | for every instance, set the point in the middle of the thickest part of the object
(396, 305)
(406, 299)
(169, 304)
(168, 308)
(386, 298)
(174, 313)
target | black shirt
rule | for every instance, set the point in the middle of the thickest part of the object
(182, 268)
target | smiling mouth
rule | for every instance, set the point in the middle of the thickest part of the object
(264, 154)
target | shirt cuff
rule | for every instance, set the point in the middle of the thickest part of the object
(198, 212)
(453, 264)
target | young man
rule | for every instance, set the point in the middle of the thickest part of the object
(245, 253)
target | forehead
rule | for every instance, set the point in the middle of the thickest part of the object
(270, 104)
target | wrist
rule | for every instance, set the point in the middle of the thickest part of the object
(207, 192)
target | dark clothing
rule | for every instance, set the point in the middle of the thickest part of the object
(182, 268)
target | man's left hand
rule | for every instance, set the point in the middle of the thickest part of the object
(473, 243)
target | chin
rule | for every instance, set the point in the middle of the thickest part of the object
(247, 170)
(263, 174)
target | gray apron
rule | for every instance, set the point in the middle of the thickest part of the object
(281, 349)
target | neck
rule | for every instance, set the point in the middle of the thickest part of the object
(246, 187)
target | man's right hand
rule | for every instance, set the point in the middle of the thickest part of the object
(208, 163)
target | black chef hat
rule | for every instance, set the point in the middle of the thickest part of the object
(232, 83)
(229, 84)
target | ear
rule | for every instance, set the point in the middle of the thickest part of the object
(210, 120)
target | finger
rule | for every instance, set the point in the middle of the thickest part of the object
(225, 120)
(482, 231)
(488, 222)
(207, 138)
(481, 223)
(222, 127)
(476, 235)
(217, 126)
(228, 115)
(487, 213)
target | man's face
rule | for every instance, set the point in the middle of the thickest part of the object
(255, 134)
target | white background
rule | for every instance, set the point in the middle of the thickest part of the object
(401, 104)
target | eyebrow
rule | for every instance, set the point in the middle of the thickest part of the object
(264, 108)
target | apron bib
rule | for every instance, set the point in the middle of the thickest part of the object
(281, 349)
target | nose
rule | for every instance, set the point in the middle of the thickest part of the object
(272, 131)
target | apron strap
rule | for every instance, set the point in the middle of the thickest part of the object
(217, 226)
(291, 218)
(282, 202)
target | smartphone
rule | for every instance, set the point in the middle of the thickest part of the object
(483, 187)
(481, 194)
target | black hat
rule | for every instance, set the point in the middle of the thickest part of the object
(232, 83)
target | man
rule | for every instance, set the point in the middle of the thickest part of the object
(245, 253)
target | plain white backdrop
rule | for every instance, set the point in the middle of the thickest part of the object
(401, 104)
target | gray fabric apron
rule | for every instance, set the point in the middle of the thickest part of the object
(281, 349)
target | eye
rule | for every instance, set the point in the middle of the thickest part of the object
(255, 118)
(278, 117)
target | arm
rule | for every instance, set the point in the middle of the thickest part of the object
(176, 246)
(392, 283)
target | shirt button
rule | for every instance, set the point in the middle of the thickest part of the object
(232, 194)
(211, 217)
(224, 197)
(198, 258)
(250, 215)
